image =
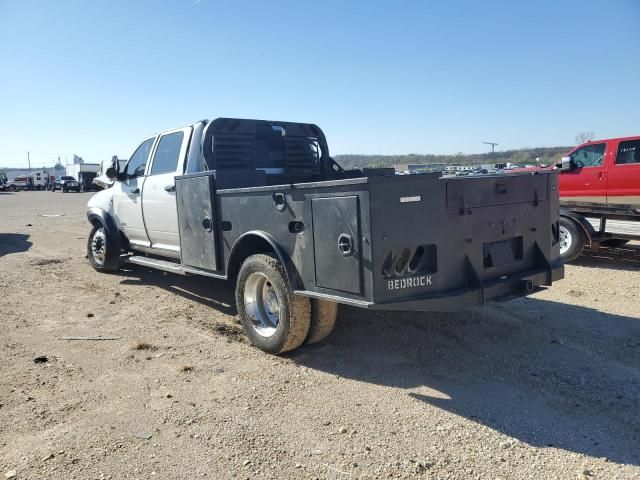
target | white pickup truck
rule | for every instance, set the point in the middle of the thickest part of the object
(262, 204)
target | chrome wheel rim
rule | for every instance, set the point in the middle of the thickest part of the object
(99, 246)
(261, 304)
(565, 240)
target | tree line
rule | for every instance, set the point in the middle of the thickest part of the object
(523, 156)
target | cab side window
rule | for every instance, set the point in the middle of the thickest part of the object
(590, 155)
(138, 161)
(167, 154)
(628, 152)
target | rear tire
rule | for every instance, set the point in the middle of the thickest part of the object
(324, 314)
(614, 242)
(572, 240)
(103, 255)
(274, 320)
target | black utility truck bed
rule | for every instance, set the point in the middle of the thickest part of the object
(413, 242)
(263, 204)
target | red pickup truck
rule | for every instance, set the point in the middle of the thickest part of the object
(599, 195)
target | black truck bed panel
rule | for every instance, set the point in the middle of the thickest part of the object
(501, 229)
(413, 240)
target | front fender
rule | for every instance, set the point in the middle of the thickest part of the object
(588, 229)
(97, 215)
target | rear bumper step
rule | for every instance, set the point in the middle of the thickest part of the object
(503, 289)
(511, 287)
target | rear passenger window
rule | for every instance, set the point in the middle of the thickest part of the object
(628, 152)
(590, 155)
(167, 154)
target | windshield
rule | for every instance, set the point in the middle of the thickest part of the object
(67, 178)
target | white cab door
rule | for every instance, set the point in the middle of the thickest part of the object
(159, 194)
(127, 195)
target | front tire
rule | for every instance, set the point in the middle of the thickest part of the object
(103, 255)
(571, 240)
(274, 320)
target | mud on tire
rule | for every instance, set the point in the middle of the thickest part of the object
(274, 320)
(323, 318)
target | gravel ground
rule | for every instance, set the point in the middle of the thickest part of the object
(546, 387)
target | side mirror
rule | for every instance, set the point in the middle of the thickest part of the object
(113, 174)
(567, 164)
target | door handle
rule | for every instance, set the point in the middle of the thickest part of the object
(135, 191)
(170, 188)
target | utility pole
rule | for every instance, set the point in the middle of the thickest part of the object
(29, 160)
(493, 148)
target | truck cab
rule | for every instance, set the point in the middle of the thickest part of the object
(603, 171)
(149, 178)
(600, 195)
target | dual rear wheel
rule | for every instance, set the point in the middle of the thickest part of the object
(274, 319)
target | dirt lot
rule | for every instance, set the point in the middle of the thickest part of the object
(545, 387)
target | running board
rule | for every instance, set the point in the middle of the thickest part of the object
(163, 265)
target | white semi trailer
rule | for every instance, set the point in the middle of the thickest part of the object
(84, 173)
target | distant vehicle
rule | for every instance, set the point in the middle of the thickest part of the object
(84, 173)
(20, 183)
(50, 181)
(39, 179)
(599, 195)
(65, 183)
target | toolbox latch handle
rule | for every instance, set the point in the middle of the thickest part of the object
(279, 200)
(345, 245)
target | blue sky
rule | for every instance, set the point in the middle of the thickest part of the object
(95, 77)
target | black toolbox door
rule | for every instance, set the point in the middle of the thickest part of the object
(336, 239)
(197, 221)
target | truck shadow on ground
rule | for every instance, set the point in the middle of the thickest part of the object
(206, 291)
(14, 243)
(548, 374)
(622, 258)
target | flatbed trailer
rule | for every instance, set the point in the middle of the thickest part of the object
(595, 225)
(250, 200)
